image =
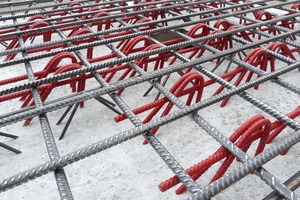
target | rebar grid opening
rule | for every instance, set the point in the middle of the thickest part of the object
(212, 86)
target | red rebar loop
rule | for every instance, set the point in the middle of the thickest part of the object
(190, 84)
(89, 53)
(158, 62)
(257, 57)
(265, 15)
(153, 15)
(127, 47)
(123, 43)
(282, 49)
(224, 25)
(278, 127)
(256, 128)
(53, 67)
(38, 24)
(209, 6)
(47, 89)
(200, 30)
(50, 68)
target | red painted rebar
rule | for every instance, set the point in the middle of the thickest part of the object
(257, 57)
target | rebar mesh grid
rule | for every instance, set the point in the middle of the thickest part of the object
(155, 63)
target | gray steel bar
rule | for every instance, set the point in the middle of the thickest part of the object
(266, 176)
(279, 7)
(132, 13)
(253, 69)
(107, 3)
(255, 20)
(289, 10)
(9, 4)
(208, 73)
(10, 148)
(60, 176)
(65, 9)
(279, 116)
(293, 183)
(254, 30)
(169, 160)
(260, 78)
(269, 25)
(256, 70)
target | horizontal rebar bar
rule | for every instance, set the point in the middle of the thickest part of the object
(42, 12)
(116, 15)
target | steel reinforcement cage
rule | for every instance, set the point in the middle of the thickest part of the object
(160, 43)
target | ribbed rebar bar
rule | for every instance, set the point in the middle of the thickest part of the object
(59, 173)
(28, 2)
